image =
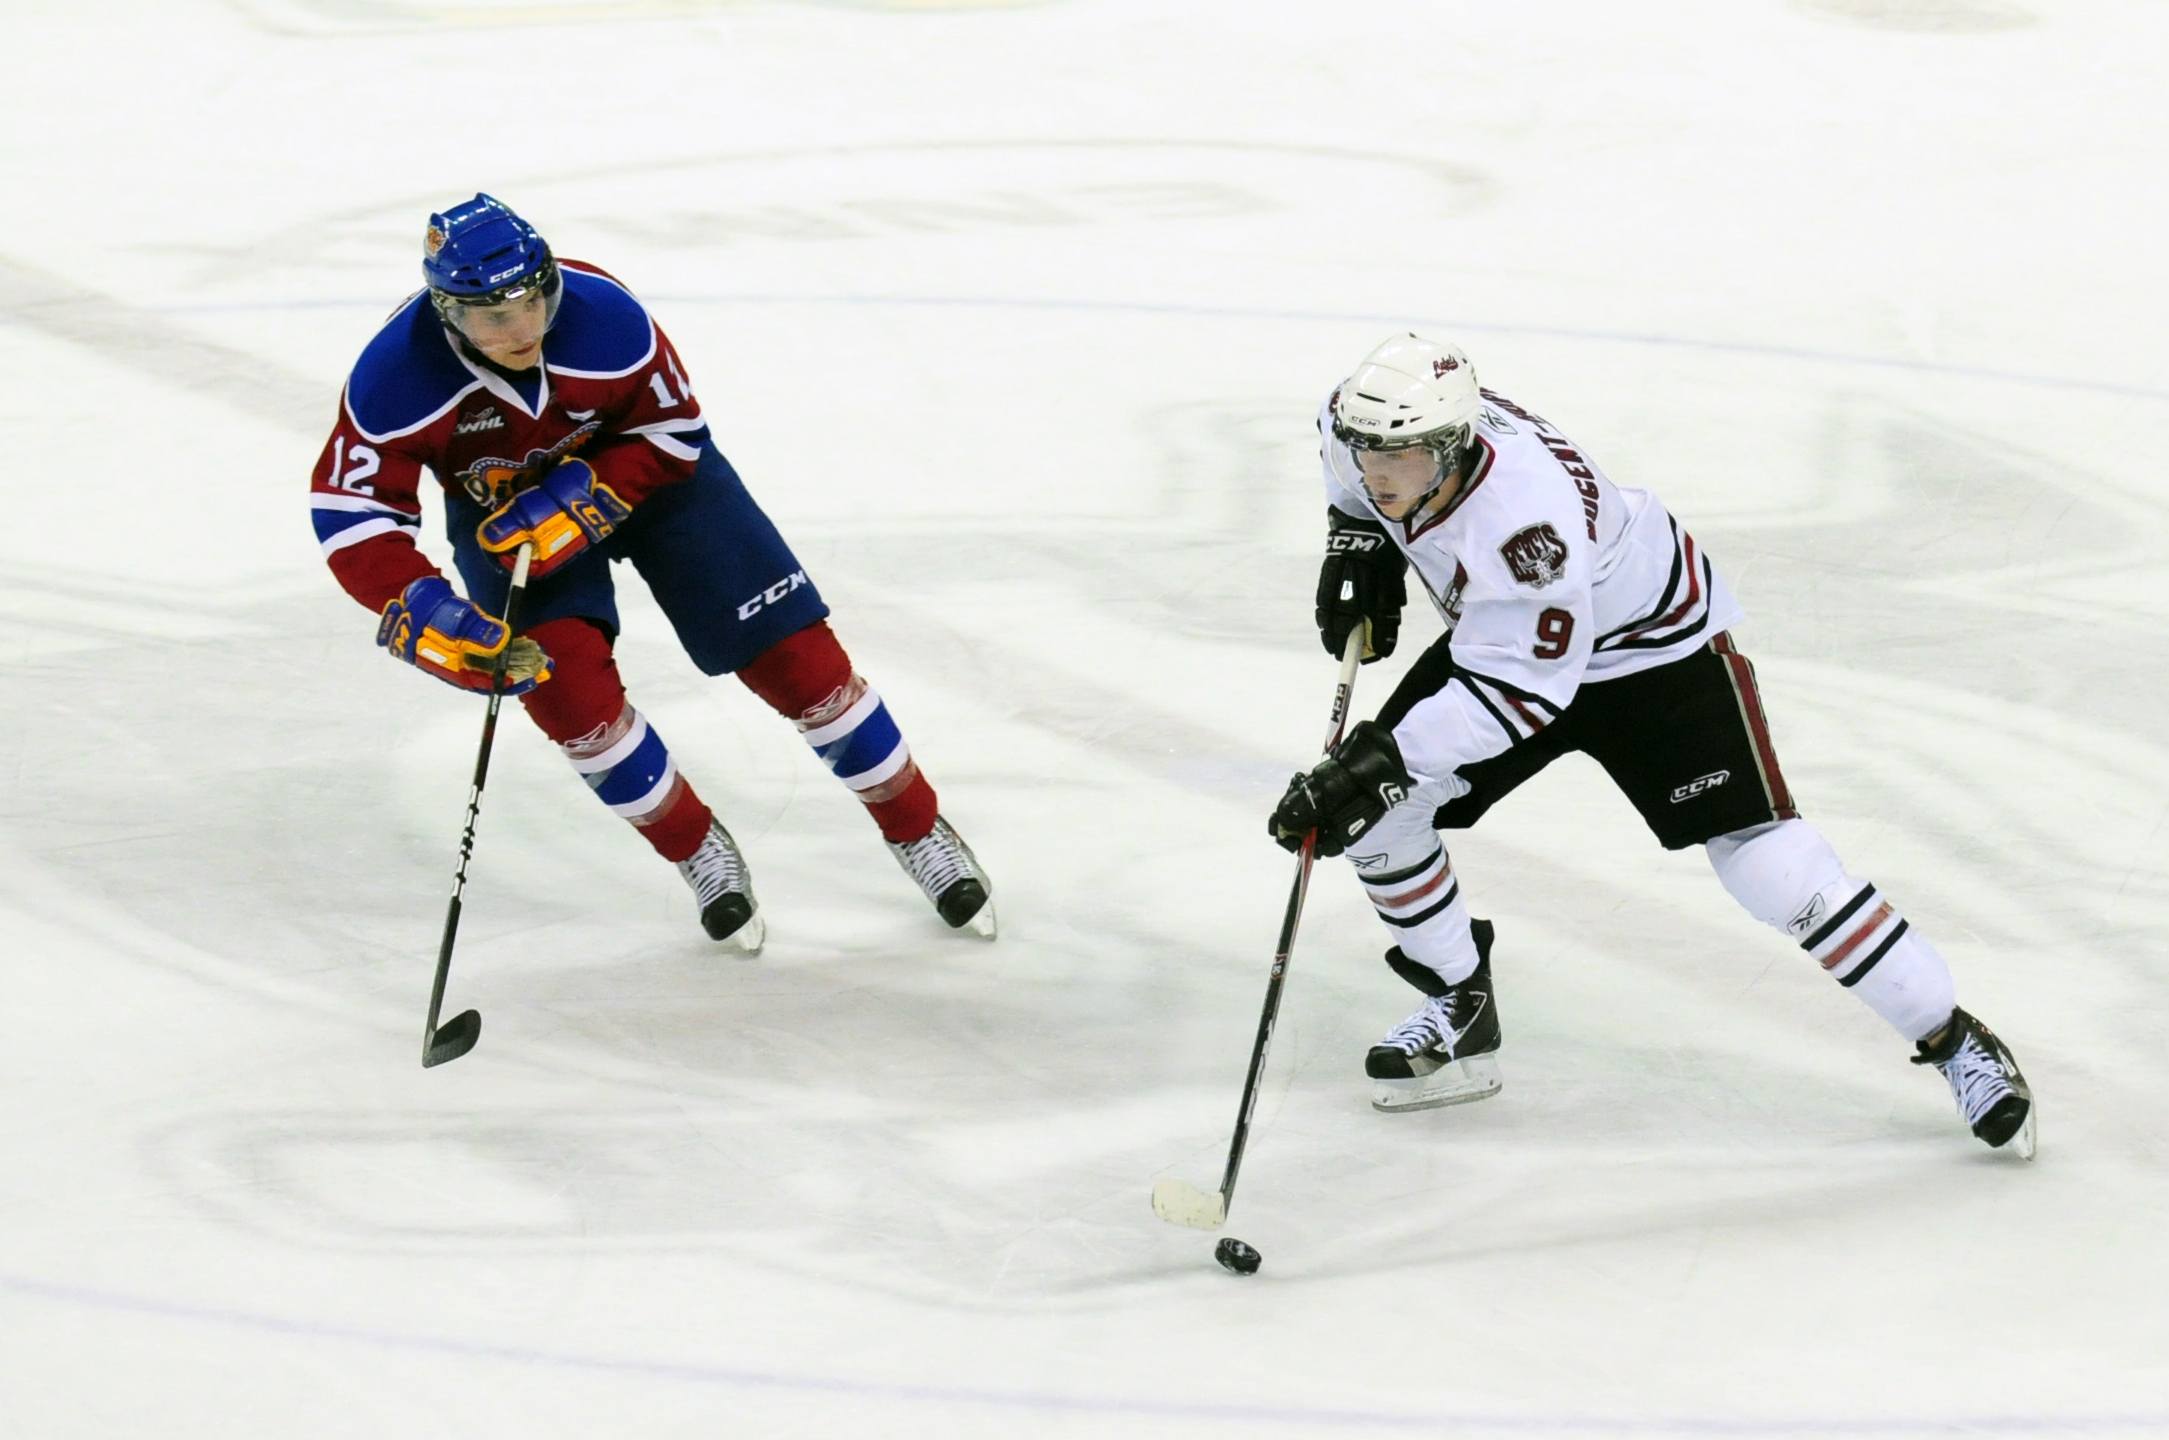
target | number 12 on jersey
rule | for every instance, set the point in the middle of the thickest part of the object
(352, 465)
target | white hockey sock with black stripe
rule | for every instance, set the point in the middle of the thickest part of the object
(1421, 905)
(1786, 875)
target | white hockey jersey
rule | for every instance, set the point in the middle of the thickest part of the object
(1547, 576)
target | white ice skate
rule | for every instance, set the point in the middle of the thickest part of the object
(724, 889)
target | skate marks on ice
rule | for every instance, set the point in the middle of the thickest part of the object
(1924, 17)
(138, 338)
(353, 18)
(61, 619)
(915, 200)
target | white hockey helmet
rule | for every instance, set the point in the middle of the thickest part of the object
(1408, 392)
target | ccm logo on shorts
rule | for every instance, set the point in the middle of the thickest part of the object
(1695, 787)
(772, 594)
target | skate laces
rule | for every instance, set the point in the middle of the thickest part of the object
(936, 860)
(715, 869)
(1978, 1079)
(1427, 1027)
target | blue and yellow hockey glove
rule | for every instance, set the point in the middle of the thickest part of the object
(434, 630)
(567, 511)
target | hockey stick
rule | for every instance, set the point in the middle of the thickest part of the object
(457, 1036)
(1178, 1201)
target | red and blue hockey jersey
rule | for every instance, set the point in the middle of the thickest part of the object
(609, 389)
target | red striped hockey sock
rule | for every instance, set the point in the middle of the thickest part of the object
(610, 743)
(807, 678)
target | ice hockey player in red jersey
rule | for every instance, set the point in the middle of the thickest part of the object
(554, 413)
(1580, 617)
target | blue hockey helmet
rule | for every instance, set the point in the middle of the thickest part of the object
(480, 253)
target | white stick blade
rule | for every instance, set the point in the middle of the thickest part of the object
(1181, 1203)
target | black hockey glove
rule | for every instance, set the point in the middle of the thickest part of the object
(1360, 581)
(1344, 795)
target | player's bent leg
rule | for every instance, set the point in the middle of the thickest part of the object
(807, 678)
(1445, 1053)
(1786, 875)
(625, 762)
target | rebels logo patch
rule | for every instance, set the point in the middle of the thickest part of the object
(1537, 555)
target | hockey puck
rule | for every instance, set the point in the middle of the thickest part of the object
(1237, 1258)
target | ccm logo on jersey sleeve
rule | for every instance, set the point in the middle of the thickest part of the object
(1536, 555)
(772, 594)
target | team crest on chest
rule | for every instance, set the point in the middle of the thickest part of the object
(492, 481)
(1536, 555)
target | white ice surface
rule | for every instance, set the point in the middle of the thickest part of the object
(1016, 316)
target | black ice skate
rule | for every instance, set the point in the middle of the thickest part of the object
(945, 868)
(724, 888)
(1993, 1097)
(1445, 1053)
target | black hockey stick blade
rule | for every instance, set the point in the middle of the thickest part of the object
(454, 1038)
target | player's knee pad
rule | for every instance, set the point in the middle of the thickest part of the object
(1784, 873)
(584, 692)
(799, 672)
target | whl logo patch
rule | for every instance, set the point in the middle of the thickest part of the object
(486, 418)
(1701, 783)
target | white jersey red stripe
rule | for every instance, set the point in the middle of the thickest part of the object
(1547, 576)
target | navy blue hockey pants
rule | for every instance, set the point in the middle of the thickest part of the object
(718, 567)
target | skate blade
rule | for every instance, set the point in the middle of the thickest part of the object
(983, 924)
(1476, 1078)
(749, 937)
(1178, 1202)
(2023, 1141)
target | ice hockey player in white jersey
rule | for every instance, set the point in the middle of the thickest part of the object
(1580, 617)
